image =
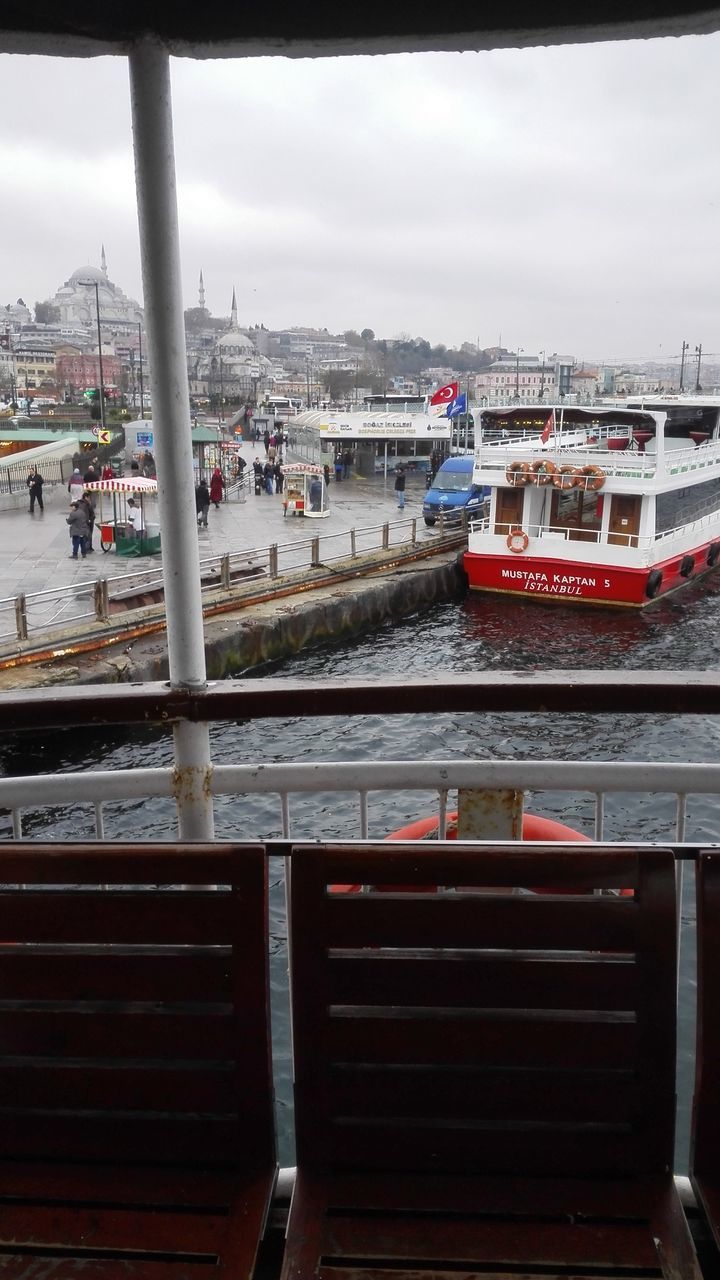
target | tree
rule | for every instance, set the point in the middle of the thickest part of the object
(338, 382)
(352, 338)
(368, 335)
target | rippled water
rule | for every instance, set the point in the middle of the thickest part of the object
(479, 634)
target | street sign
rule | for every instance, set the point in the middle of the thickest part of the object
(144, 439)
(104, 436)
(95, 431)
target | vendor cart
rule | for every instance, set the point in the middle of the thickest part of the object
(130, 536)
(305, 491)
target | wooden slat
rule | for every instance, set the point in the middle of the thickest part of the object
(547, 1042)
(18, 1267)
(105, 973)
(171, 1139)
(129, 1033)
(190, 918)
(489, 982)
(134, 1185)
(465, 920)
(448, 1238)
(116, 863)
(91, 1086)
(99, 1229)
(508, 864)
(526, 1151)
(375, 1092)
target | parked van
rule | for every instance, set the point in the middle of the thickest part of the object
(453, 490)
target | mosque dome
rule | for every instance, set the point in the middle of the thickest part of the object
(88, 273)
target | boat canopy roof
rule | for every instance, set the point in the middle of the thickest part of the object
(124, 484)
(536, 416)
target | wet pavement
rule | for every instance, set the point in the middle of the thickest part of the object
(35, 549)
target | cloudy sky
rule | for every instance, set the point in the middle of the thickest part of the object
(565, 199)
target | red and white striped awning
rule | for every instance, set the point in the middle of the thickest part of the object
(124, 484)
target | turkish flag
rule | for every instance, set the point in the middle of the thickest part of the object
(547, 429)
(446, 394)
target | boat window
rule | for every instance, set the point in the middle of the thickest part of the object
(578, 510)
(682, 506)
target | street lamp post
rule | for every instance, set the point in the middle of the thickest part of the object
(517, 372)
(93, 284)
(140, 358)
(685, 348)
(698, 353)
(542, 376)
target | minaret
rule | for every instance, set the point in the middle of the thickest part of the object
(201, 292)
(103, 261)
(233, 312)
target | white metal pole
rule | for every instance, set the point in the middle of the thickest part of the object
(151, 103)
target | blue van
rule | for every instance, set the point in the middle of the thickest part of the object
(453, 490)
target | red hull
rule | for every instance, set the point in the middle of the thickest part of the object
(570, 581)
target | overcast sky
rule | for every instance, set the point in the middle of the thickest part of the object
(566, 199)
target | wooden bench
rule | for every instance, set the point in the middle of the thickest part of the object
(705, 1138)
(136, 1120)
(484, 1080)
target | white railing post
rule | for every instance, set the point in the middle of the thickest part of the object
(151, 102)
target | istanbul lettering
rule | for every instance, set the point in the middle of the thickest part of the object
(554, 584)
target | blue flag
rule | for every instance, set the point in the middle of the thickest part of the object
(458, 406)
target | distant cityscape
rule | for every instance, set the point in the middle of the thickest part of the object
(90, 334)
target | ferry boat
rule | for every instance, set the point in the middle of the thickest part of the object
(609, 506)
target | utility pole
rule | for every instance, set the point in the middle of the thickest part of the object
(517, 373)
(142, 396)
(542, 376)
(94, 285)
(685, 347)
(698, 353)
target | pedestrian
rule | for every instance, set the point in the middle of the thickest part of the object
(347, 463)
(258, 476)
(107, 472)
(400, 487)
(315, 494)
(79, 528)
(241, 464)
(266, 440)
(202, 502)
(91, 475)
(279, 477)
(338, 466)
(269, 476)
(217, 484)
(35, 484)
(76, 488)
(134, 519)
(326, 472)
(88, 502)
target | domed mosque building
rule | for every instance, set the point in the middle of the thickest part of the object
(232, 367)
(76, 302)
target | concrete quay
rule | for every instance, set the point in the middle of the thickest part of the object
(263, 621)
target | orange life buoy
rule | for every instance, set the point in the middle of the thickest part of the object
(517, 540)
(543, 471)
(518, 473)
(594, 477)
(566, 478)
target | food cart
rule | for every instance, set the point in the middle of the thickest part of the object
(305, 491)
(113, 520)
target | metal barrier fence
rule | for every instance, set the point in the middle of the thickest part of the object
(27, 615)
(13, 475)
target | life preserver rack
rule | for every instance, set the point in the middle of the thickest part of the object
(544, 471)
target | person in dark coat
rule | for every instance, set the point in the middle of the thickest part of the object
(269, 475)
(258, 476)
(279, 477)
(400, 487)
(35, 484)
(202, 502)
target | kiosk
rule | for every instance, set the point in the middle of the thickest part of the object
(114, 522)
(305, 492)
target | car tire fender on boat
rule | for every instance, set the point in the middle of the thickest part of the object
(518, 473)
(543, 471)
(713, 554)
(517, 541)
(687, 565)
(654, 583)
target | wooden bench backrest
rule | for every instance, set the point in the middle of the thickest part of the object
(134, 1018)
(705, 1142)
(478, 1031)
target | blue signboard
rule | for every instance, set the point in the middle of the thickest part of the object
(144, 439)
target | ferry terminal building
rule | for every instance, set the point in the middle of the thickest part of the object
(378, 440)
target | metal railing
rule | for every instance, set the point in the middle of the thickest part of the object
(569, 533)
(26, 615)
